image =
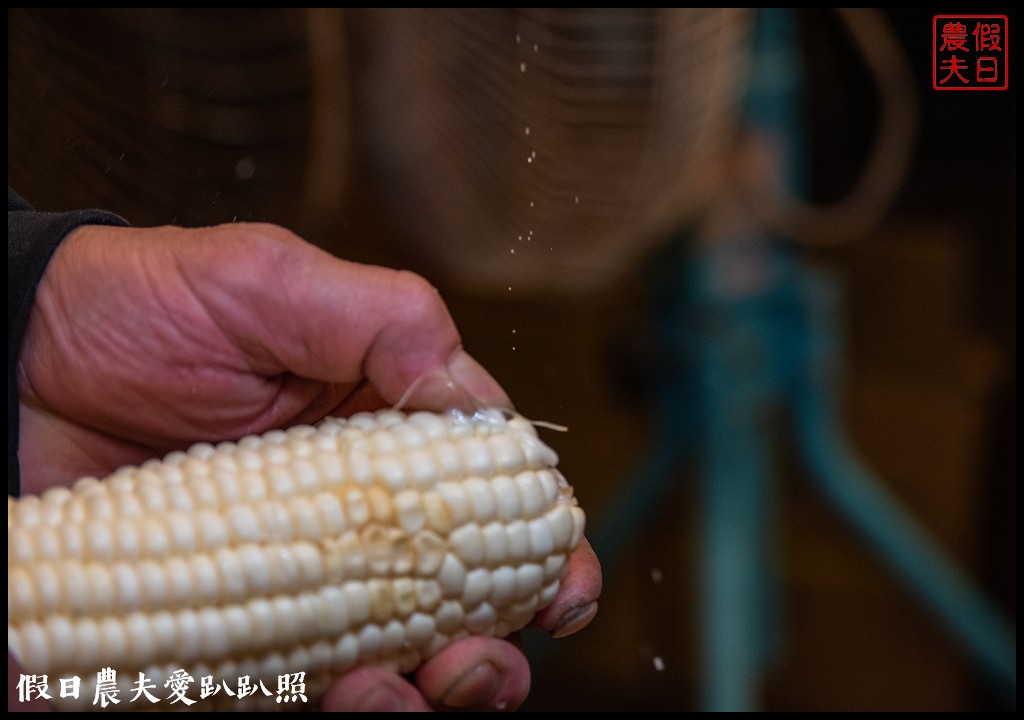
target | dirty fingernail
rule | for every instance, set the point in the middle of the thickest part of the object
(574, 620)
(477, 688)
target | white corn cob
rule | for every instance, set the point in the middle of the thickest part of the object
(377, 539)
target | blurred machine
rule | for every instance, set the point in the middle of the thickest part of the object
(550, 163)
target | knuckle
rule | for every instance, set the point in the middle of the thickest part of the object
(418, 302)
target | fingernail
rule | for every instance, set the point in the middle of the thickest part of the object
(382, 699)
(477, 383)
(574, 620)
(477, 688)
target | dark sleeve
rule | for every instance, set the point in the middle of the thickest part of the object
(32, 238)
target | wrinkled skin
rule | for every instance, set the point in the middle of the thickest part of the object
(142, 341)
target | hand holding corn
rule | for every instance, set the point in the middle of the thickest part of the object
(253, 329)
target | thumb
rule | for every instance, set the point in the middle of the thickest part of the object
(335, 321)
(461, 384)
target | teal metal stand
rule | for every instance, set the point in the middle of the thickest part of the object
(756, 337)
(757, 359)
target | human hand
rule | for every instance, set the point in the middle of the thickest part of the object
(146, 340)
(142, 341)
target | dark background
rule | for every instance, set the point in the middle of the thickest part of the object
(147, 113)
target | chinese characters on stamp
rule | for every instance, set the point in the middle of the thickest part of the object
(969, 52)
